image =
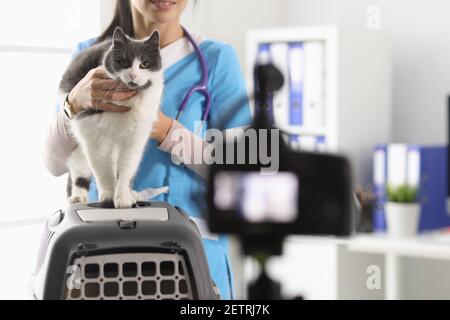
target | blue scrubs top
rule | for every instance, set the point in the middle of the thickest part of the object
(229, 109)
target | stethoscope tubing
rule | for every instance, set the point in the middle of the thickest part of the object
(202, 87)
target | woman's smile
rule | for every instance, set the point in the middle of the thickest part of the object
(163, 5)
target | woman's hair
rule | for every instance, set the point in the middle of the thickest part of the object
(122, 18)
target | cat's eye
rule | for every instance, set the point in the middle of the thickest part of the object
(144, 65)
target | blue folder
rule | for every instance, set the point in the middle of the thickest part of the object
(432, 186)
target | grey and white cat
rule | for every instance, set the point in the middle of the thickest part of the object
(111, 144)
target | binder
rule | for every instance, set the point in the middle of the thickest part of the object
(293, 141)
(397, 164)
(307, 143)
(279, 54)
(264, 57)
(379, 182)
(296, 76)
(433, 188)
(313, 87)
(321, 144)
(413, 166)
(424, 167)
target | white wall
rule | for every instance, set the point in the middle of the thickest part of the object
(34, 51)
(421, 56)
(229, 20)
(106, 11)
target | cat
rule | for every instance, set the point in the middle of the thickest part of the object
(111, 144)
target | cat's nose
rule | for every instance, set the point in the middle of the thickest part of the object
(132, 76)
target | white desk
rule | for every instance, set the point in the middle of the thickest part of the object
(427, 246)
(320, 257)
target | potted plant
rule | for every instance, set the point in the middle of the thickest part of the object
(402, 211)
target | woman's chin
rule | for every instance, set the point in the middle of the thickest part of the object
(165, 17)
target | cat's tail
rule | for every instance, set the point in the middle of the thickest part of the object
(79, 177)
(69, 186)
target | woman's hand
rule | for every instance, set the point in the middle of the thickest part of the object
(161, 127)
(97, 91)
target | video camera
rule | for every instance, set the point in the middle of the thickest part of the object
(309, 193)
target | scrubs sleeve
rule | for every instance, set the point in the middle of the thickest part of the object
(229, 98)
(81, 46)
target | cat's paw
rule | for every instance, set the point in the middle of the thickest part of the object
(78, 199)
(106, 199)
(124, 200)
(106, 196)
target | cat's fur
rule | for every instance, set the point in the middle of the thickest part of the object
(111, 144)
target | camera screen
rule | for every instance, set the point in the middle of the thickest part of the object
(258, 198)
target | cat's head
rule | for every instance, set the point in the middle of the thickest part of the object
(137, 63)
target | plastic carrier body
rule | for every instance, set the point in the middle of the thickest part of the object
(151, 252)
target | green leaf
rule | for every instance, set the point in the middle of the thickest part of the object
(402, 194)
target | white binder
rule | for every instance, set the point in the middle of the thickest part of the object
(314, 84)
(396, 164)
(279, 54)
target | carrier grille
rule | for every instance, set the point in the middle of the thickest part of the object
(146, 276)
(48, 234)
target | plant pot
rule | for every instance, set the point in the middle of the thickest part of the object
(402, 219)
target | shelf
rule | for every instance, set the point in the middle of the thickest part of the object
(433, 245)
(429, 245)
(303, 131)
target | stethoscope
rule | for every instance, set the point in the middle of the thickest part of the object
(201, 87)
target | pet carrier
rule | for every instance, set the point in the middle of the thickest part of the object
(153, 251)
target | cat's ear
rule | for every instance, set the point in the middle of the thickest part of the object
(154, 38)
(119, 36)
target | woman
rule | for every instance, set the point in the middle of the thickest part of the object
(139, 18)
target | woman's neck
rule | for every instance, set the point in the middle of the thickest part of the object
(169, 32)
